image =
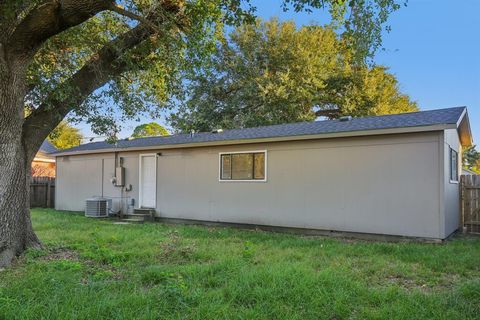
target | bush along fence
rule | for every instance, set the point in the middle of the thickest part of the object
(470, 203)
(42, 192)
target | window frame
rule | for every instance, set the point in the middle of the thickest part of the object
(220, 164)
(451, 167)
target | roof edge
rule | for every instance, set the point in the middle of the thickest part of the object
(41, 159)
(464, 129)
(437, 127)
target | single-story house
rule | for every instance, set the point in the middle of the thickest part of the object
(389, 175)
(43, 165)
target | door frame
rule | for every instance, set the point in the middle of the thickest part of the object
(140, 184)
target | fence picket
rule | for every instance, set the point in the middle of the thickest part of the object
(42, 192)
(470, 196)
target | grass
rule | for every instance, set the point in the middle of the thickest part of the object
(92, 269)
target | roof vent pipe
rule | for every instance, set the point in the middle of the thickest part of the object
(345, 118)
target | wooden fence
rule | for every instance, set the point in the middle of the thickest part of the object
(470, 203)
(42, 192)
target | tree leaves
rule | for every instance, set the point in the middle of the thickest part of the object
(185, 39)
(361, 21)
(65, 136)
(151, 129)
(272, 73)
(471, 158)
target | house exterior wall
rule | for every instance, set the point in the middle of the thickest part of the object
(388, 184)
(86, 176)
(451, 189)
(77, 179)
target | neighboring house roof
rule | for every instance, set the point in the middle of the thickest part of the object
(47, 147)
(45, 151)
(406, 122)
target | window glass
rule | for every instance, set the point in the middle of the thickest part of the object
(453, 165)
(242, 165)
(259, 166)
(226, 166)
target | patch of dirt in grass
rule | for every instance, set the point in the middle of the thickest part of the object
(96, 272)
(92, 269)
(61, 254)
(445, 282)
(407, 283)
(173, 249)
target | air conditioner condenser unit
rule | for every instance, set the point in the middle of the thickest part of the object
(98, 207)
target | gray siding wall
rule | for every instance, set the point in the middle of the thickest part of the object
(384, 184)
(451, 190)
(85, 176)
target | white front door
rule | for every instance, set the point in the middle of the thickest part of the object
(148, 180)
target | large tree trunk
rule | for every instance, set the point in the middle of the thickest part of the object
(16, 233)
(20, 138)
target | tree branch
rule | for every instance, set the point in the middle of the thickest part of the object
(116, 8)
(49, 18)
(107, 63)
(101, 68)
(11, 12)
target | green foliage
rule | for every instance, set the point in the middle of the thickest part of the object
(170, 281)
(65, 136)
(66, 265)
(364, 92)
(152, 66)
(157, 66)
(151, 129)
(362, 21)
(272, 72)
(248, 250)
(471, 158)
(289, 277)
(471, 290)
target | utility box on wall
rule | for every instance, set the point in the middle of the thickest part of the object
(120, 176)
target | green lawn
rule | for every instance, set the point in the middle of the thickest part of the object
(93, 269)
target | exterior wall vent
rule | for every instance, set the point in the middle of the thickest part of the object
(345, 118)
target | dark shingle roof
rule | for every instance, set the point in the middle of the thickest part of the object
(47, 147)
(412, 119)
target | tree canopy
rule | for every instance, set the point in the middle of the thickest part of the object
(471, 159)
(152, 53)
(151, 129)
(65, 136)
(272, 72)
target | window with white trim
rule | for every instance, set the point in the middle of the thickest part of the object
(453, 165)
(243, 166)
